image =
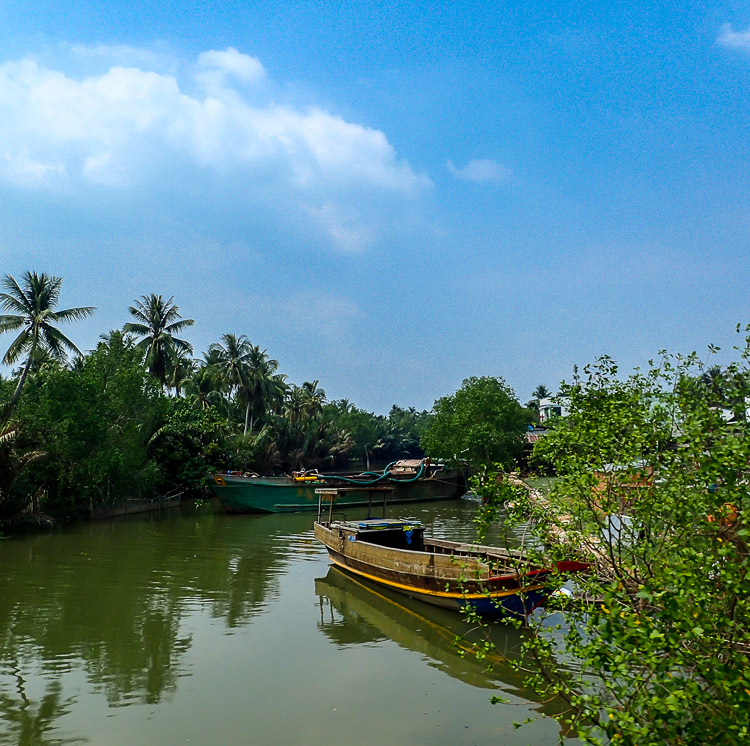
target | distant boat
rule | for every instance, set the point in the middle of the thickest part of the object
(492, 580)
(410, 480)
(135, 505)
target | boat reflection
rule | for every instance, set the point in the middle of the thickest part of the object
(356, 612)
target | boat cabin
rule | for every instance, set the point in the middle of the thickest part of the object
(384, 532)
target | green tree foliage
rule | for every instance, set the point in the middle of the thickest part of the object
(402, 432)
(16, 505)
(363, 427)
(190, 443)
(481, 424)
(653, 486)
(229, 361)
(94, 424)
(541, 392)
(157, 321)
(180, 371)
(204, 391)
(34, 314)
(249, 375)
(376, 437)
(265, 390)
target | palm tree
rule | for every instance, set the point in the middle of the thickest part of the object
(250, 374)
(265, 385)
(230, 360)
(541, 392)
(180, 368)
(203, 388)
(157, 321)
(314, 397)
(12, 464)
(343, 406)
(294, 404)
(33, 304)
(118, 337)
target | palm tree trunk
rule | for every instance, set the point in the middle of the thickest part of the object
(247, 415)
(17, 393)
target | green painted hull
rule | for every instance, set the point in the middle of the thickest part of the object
(283, 495)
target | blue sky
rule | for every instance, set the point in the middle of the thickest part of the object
(389, 197)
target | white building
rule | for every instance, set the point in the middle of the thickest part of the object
(551, 408)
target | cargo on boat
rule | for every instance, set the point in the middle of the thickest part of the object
(411, 480)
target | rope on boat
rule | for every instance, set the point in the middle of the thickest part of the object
(386, 475)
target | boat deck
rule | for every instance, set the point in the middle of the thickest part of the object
(396, 533)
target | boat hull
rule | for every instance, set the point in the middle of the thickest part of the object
(438, 579)
(239, 494)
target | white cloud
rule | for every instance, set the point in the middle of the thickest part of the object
(231, 62)
(347, 231)
(20, 169)
(480, 171)
(734, 39)
(131, 125)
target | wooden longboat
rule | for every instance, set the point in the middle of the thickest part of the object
(400, 482)
(492, 580)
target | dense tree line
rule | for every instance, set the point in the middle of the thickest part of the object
(139, 416)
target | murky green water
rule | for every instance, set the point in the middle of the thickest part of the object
(201, 628)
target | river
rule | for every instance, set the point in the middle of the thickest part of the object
(194, 627)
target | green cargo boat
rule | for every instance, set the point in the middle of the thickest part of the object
(400, 482)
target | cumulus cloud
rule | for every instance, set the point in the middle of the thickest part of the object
(734, 39)
(121, 127)
(20, 169)
(480, 171)
(231, 62)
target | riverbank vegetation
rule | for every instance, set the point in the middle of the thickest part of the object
(140, 416)
(653, 478)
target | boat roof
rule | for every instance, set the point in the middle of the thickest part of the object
(377, 524)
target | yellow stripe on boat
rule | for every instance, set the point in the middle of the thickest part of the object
(441, 594)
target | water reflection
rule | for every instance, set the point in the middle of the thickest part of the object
(126, 610)
(33, 723)
(354, 611)
(112, 600)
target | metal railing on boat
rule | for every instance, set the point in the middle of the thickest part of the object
(329, 494)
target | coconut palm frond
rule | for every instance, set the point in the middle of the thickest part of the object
(57, 343)
(15, 295)
(9, 323)
(17, 348)
(156, 322)
(30, 458)
(8, 433)
(179, 326)
(74, 314)
(35, 298)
